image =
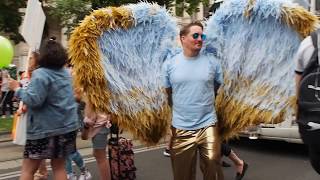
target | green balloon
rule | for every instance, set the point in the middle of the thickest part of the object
(6, 52)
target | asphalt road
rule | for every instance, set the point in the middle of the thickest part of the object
(268, 160)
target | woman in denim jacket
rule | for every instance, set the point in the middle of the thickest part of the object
(52, 113)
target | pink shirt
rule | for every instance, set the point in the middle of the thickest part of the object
(96, 123)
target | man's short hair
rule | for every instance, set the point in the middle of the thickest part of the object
(186, 29)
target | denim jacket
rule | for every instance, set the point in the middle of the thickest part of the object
(52, 109)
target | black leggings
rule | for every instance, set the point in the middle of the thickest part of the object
(225, 149)
(311, 139)
(314, 154)
(7, 101)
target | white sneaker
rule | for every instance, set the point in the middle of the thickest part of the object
(72, 176)
(166, 152)
(86, 175)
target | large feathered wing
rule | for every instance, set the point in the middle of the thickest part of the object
(256, 41)
(117, 54)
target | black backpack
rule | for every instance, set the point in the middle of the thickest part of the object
(309, 89)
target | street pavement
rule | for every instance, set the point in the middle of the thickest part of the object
(268, 160)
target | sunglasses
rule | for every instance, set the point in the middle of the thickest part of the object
(196, 36)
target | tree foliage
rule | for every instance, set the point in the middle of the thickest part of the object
(189, 6)
(103, 3)
(71, 12)
(11, 18)
(96, 4)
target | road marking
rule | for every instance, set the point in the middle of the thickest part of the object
(15, 174)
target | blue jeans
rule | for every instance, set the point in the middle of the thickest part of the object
(77, 158)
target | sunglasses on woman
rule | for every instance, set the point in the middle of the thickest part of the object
(196, 36)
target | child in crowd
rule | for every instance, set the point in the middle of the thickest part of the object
(76, 156)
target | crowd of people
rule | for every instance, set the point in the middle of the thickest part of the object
(56, 112)
(54, 118)
(7, 100)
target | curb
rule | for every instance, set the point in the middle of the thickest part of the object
(5, 137)
(5, 133)
(15, 165)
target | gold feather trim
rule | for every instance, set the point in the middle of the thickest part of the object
(249, 8)
(235, 115)
(301, 20)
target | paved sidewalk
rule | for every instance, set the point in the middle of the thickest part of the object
(11, 154)
(5, 136)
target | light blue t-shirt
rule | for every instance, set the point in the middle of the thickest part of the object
(192, 83)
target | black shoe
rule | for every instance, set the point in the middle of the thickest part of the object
(225, 164)
(239, 176)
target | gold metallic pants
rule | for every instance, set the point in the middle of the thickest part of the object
(184, 147)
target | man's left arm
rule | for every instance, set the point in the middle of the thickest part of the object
(166, 83)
